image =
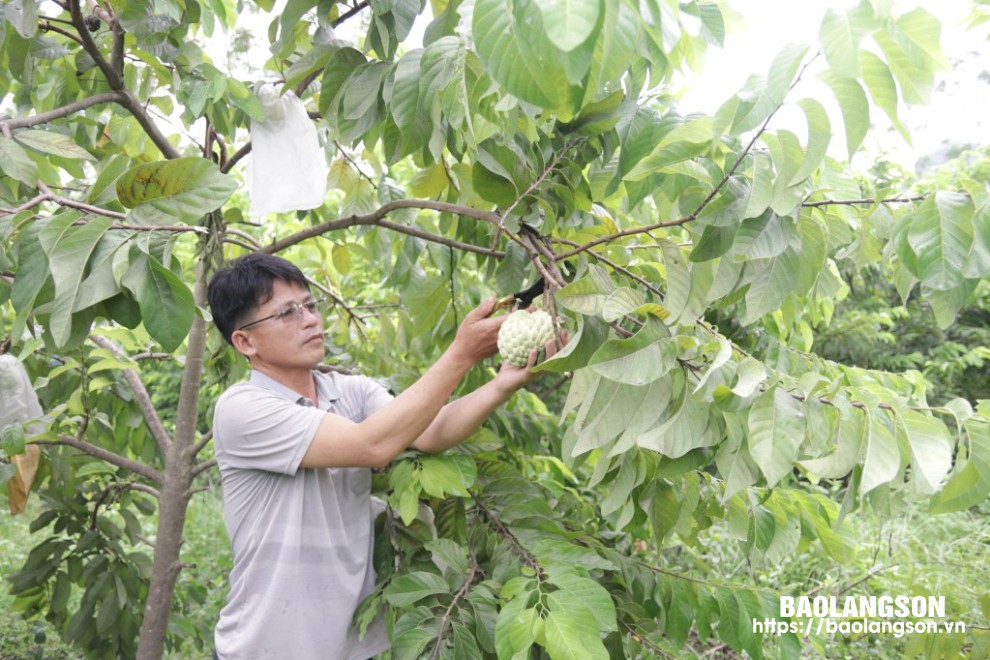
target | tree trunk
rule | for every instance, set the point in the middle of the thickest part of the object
(176, 491)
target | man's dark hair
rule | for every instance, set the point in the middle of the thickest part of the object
(245, 284)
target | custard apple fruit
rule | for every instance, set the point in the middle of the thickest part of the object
(521, 333)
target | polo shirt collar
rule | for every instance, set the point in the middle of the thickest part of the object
(326, 390)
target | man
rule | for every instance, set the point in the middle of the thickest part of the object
(295, 448)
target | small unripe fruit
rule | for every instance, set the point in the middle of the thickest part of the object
(521, 333)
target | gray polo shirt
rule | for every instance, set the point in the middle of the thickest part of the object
(302, 538)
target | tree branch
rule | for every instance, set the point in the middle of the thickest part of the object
(350, 13)
(865, 202)
(48, 196)
(151, 417)
(203, 441)
(150, 128)
(238, 155)
(203, 467)
(145, 471)
(376, 218)
(419, 233)
(46, 26)
(115, 80)
(475, 569)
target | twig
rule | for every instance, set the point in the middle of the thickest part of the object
(527, 558)
(347, 157)
(46, 26)
(639, 637)
(533, 186)
(151, 417)
(203, 467)
(203, 441)
(445, 619)
(865, 202)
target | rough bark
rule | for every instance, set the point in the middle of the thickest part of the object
(176, 491)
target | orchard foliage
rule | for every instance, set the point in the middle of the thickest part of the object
(691, 258)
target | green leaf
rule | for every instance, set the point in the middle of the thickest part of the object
(15, 162)
(941, 234)
(687, 284)
(340, 67)
(413, 631)
(53, 143)
(363, 90)
(775, 278)
(840, 43)
(684, 142)
(167, 306)
(447, 474)
(23, 15)
(819, 135)
(783, 70)
(882, 459)
(588, 294)
(848, 437)
(978, 260)
(924, 30)
(571, 631)
(590, 336)
(688, 428)
(569, 23)
(12, 439)
(969, 483)
(622, 301)
(452, 560)
(406, 590)
(514, 630)
(776, 428)
(931, 447)
(636, 360)
(880, 83)
(32, 261)
(583, 591)
(764, 237)
(512, 44)
(68, 262)
(734, 464)
(184, 189)
(855, 108)
(911, 67)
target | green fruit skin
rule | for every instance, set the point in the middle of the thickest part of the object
(521, 333)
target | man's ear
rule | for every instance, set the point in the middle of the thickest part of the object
(241, 340)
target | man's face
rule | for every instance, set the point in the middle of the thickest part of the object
(282, 332)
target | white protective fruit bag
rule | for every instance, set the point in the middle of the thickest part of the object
(287, 170)
(19, 404)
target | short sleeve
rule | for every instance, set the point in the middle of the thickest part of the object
(374, 396)
(257, 429)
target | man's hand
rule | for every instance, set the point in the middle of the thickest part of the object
(477, 338)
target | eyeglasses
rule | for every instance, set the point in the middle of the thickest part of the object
(291, 312)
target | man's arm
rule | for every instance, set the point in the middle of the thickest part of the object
(459, 419)
(374, 442)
